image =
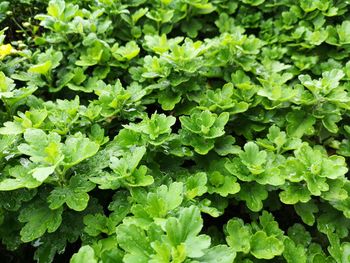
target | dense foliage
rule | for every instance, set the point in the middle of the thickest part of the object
(175, 131)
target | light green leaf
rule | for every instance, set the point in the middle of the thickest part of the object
(128, 52)
(294, 253)
(163, 199)
(135, 242)
(41, 68)
(85, 254)
(339, 251)
(185, 229)
(253, 158)
(219, 253)
(196, 185)
(238, 237)
(294, 193)
(77, 148)
(11, 128)
(126, 166)
(265, 247)
(56, 8)
(41, 173)
(42, 148)
(222, 184)
(20, 178)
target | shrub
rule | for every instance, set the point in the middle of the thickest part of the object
(175, 131)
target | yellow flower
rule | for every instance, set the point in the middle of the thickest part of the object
(5, 50)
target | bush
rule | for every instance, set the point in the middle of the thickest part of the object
(174, 131)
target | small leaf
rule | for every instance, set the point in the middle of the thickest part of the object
(299, 124)
(38, 219)
(253, 194)
(77, 148)
(135, 242)
(219, 253)
(74, 195)
(42, 68)
(306, 211)
(294, 253)
(265, 247)
(20, 178)
(253, 158)
(85, 254)
(41, 173)
(238, 237)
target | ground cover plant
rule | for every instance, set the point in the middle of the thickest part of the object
(176, 131)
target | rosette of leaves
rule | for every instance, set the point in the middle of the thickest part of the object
(201, 128)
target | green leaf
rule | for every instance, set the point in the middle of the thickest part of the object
(222, 184)
(195, 185)
(331, 220)
(138, 14)
(42, 68)
(191, 28)
(127, 165)
(56, 8)
(185, 229)
(300, 124)
(253, 158)
(208, 124)
(219, 253)
(139, 178)
(299, 235)
(343, 32)
(97, 224)
(253, 194)
(6, 86)
(225, 146)
(238, 169)
(42, 148)
(128, 52)
(85, 254)
(74, 195)
(120, 206)
(339, 251)
(164, 199)
(265, 247)
(306, 211)
(135, 242)
(293, 253)
(269, 225)
(20, 178)
(201, 145)
(168, 99)
(11, 128)
(42, 173)
(157, 128)
(253, 2)
(77, 148)
(38, 219)
(294, 193)
(238, 237)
